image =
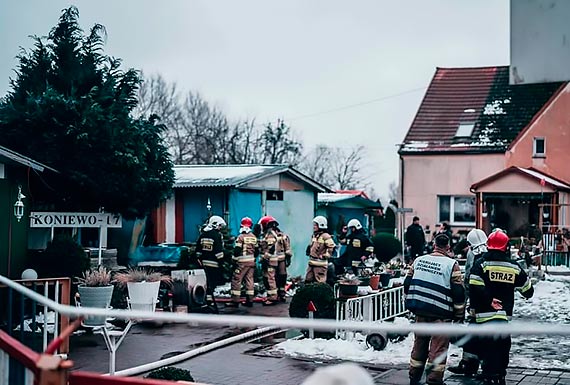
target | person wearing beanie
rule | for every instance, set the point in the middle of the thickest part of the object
(435, 294)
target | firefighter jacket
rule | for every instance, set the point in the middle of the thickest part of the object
(358, 245)
(321, 248)
(434, 287)
(268, 246)
(283, 246)
(496, 275)
(246, 249)
(210, 248)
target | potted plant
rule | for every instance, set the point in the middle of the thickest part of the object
(142, 286)
(395, 268)
(348, 286)
(95, 290)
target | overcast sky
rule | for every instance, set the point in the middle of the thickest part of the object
(291, 59)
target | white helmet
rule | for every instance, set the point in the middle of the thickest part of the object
(216, 222)
(354, 223)
(321, 222)
(478, 241)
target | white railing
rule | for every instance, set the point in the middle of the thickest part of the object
(377, 307)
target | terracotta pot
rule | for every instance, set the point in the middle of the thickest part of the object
(374, 281)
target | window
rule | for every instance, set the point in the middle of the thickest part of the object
(457, 210)
(274, 195)
(465, 130)
(539, 148)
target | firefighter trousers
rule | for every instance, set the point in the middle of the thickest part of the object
(281, 278)
(269, 280)
(213, 278)
(316, 274)
(494, 354)
(242, 274)
(429, 353)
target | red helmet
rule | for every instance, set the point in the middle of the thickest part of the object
(246, 222)
(266, 220)
(498, 240)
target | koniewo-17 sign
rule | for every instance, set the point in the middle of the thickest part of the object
(56, 219)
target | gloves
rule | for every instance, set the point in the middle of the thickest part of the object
(308, 251)
(264, 262)
(287, 260)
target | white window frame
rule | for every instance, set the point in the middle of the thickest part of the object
(452, 210)
(536, 154)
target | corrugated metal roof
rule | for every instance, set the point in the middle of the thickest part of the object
(233, 175)
(481, 96)
(14, 157)
(332, 198)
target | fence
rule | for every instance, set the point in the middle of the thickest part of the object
(382, 306)
(552, 254)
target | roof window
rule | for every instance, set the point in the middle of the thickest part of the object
(465, 130)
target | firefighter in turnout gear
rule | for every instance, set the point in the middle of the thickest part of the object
(434, 293)
(493, 280)
(319, 251)
(269, 259)
(358, 246)
(210, 252)
(469, 364)
(245, 253)
(284, 255)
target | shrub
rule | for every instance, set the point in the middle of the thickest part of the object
(63, 257)
(386, 246)
(95, 278)
(322, 296)
(171, 373)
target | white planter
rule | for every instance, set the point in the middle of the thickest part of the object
(143, 295)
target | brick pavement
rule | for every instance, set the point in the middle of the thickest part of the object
(240, 363)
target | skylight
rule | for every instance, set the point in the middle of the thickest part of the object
(465, 130)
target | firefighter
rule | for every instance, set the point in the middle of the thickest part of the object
(269, 259)
(319, 251)
(210, 252)
(493, 280)
(358, 246)
(435, 294)
(245, 253)
(469, 364)
(284, 255)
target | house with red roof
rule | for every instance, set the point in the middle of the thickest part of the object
(481, 152)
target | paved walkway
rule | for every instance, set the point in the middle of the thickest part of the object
(246, 363)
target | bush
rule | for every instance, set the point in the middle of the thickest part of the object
(386, 246)
(63, 257)
(171, 373)
(322, 296)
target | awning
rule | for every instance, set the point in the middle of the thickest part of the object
(518, 180)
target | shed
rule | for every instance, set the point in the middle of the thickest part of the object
(342, 206)
(235, 191)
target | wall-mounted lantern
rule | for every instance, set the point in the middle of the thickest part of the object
(19, 205)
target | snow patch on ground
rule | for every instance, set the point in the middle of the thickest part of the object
(550, 304)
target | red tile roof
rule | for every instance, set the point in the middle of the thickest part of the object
(480, 96)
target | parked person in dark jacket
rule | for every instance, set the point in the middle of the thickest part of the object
(492, 283)
(434, 293)
(415, 239)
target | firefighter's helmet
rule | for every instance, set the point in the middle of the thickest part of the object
(354, 223)
(478, 241)
(266, 221)
(216, 222)
(498, 240)
(246, 222)
(321, 222)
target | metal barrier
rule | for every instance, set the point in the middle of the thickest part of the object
(30, 322)
(555, 258)
(382, 306)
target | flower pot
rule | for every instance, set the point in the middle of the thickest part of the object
(374, 281)
(385, 279)
(347, 290)
(99, 297)
(143, 295)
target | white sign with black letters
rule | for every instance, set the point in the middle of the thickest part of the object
(56, 219)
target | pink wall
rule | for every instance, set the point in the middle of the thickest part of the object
(554, 125)
(427, 176)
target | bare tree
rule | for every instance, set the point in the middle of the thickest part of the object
(336, 167)
(278, 145)
(393, 191)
